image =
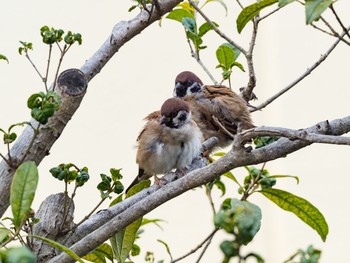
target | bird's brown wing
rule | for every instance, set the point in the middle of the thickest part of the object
(150, 117)
(229, 108)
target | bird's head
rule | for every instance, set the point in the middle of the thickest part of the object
(187, 83)
(175, 113)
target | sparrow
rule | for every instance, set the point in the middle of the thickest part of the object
(169, 140)
(217, 110)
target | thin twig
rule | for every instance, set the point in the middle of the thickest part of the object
(247, 92)
(5, 159)
(36, 69)
(204, 249)
(267, 15)
(211, 202)
(211, 235)
(240, 4)
(218, 31)
(195, 55)
(339, 21)
(295, 82)
(87, 216)
(48, 67)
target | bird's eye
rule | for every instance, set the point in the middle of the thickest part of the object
(182, 117)
(189, 82)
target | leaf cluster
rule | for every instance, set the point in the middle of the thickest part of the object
(43, 105)
(110, 183)
(241, 219)
(70, 173)
(52, 35)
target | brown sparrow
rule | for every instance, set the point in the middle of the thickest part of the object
(217, 110)
(169, 140)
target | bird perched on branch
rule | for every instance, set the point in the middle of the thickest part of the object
(217, 110)
(169, 140)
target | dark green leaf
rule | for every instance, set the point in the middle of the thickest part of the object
(24, 183)
(300, 207)
(34, 101)
(136, 250)
(229, 248)
(314, 9)
(249, 12)
(2, 57)
(60, 247)
(115, 173)
(179, 14)
(282, 3)
(118, 187)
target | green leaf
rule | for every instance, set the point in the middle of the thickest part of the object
(179, 14)
(24, 183)
(2, 57)
(232, 177)
(218, 1)
(123, 241)
(146, 221)
(300, 207)
(20, 255)
(225, 55)
(285, 176)
(205, 28)
(166, 247)
(241, 218)
(115, 173)
(249, 12)
(314, 9)
(138, 187)
(100, 254)
(190, 25)
(60, 247)
(282, 3)
(4, 234)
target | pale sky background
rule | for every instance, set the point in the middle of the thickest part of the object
(140, 77)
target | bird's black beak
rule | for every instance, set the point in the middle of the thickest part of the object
(180, 90)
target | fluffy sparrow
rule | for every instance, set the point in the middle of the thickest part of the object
(217, 110)
(169, 140)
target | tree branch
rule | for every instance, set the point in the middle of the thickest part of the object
(155, 196)
(308, 72)
(122, 33)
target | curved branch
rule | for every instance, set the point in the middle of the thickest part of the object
(155, 196)
(122, 33)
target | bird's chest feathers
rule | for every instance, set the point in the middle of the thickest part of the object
(179, 146)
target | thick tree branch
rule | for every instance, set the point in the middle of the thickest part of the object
(153, 198)
(122, 33)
